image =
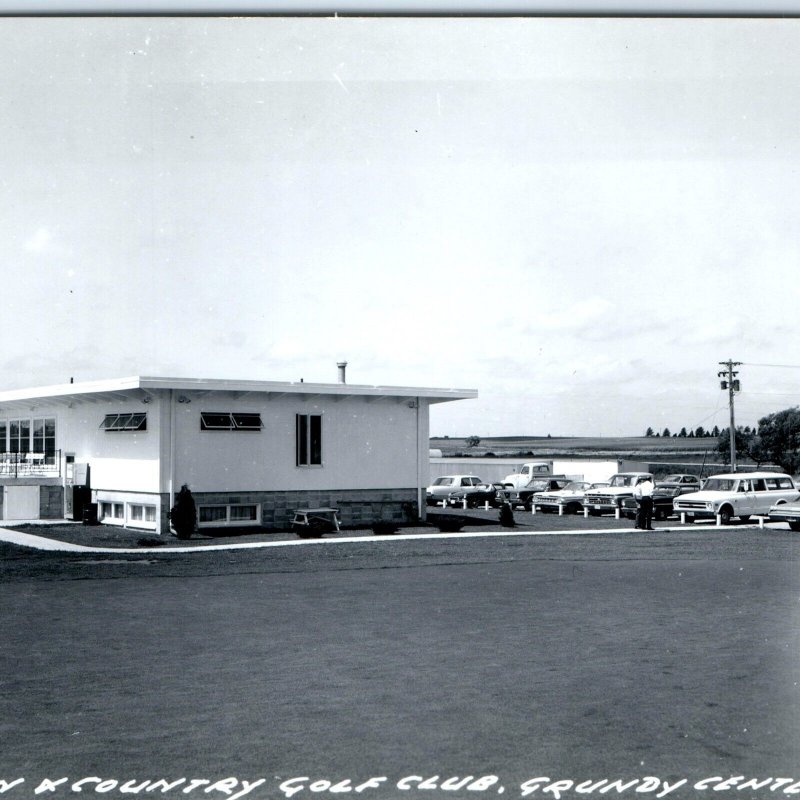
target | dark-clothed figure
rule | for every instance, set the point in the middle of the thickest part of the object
(507, 515)
(183, 514)
(643, 492)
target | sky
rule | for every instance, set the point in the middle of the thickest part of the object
(578, 217)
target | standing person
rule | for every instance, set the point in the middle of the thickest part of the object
(643, 492)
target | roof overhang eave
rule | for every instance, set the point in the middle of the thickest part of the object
(139, 388)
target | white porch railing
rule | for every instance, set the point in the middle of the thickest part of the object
(26, 465)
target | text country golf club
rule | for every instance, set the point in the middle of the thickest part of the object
(234, 788)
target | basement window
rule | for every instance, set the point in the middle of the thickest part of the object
(125, 422)
(229, 421)
(233, 515)
(114, 511)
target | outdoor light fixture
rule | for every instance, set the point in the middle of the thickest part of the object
(183, 399)
(147, 399)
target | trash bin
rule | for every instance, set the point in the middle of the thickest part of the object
(90, 514)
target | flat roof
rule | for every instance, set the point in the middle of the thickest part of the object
(148, 385)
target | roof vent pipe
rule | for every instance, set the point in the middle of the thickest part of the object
(342, 367)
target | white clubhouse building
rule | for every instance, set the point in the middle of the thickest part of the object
(251, 451)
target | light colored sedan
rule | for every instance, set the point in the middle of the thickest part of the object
(568, 500)
(444, 485)
(787, 512)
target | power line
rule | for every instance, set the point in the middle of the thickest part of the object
(776, 366)
(769, 394)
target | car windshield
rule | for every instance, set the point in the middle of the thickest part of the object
(538, 486)
(622, 480)
(443, 482)
(719, 485)
(672, 479)
(575, 486)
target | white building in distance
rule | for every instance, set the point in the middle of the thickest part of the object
(250, 451)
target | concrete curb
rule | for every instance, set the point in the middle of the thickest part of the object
(53, 545)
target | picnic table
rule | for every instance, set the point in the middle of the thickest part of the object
(309, 523)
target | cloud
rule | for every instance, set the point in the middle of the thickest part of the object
(577, 318)
(40, 242)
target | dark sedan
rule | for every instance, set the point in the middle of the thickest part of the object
(491, 493)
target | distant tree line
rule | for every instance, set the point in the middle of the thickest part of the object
(697, 433)
(776, 440)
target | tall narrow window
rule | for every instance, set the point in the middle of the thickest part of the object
(308, 431)
(20, 430)
(44, 439)
(3, 443)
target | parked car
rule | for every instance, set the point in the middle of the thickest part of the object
(524, 497)
(441, 488)
(736, 494)
(666, 490)
(787, 511)
(568, 500)
(611, 497)
(492, 493)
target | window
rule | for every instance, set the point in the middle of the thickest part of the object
(240, 514)
(308, 430)
(23, 436)
(19, 435)
(211, 514)
(229, 421)
(44, 439)
(232, 515)
(112, 510)
(141, 514)
(125, 422)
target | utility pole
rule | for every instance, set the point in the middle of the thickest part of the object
(731, 383)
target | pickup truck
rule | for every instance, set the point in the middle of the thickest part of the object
(528, 472)
(610, 498)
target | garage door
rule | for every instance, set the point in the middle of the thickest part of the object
(20, 502)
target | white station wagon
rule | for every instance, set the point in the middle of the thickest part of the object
(442, 486)
(737, 494)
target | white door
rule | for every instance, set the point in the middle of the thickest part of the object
(20, 502)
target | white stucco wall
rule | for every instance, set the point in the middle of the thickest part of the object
(120, 459)
(366, 444)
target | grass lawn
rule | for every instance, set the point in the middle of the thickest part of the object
(611, 656)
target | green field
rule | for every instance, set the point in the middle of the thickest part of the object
(642, 447)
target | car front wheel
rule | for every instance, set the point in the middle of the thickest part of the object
(725, 515)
